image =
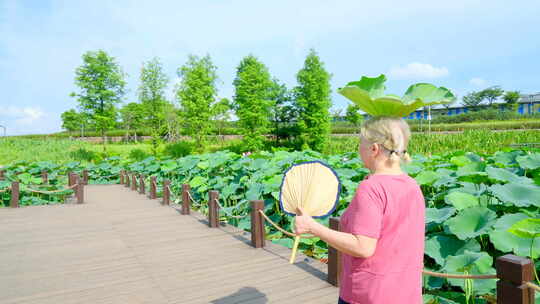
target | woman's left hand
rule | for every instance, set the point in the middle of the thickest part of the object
(303, 222)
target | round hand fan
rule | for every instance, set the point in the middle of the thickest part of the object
(312, 186)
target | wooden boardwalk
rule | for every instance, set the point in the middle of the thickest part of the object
(120, 247)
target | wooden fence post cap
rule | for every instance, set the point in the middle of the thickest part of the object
(514, 268)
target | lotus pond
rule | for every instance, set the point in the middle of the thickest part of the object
(472, 200)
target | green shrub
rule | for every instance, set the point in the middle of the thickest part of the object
(82, 154)
(179, 149)
(138, 154)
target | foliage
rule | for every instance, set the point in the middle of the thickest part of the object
(368, 94)
(491, 94)
(72, 120)
(179, 149)
(221, 113)
(511, 97)
(196, 94)
(252, 102)
(132, 115)
(101, 86)
(284, 113)
(472, 99)
(312, 98)
(353, 115)
(152, 94)
(468, 210)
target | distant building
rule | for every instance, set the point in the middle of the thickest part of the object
(527, 104)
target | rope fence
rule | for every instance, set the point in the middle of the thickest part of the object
(458, 276)
(52, 191)
(228, 213)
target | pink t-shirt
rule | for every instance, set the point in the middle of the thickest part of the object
(390, 208)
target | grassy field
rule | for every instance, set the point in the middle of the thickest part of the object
(14, 149)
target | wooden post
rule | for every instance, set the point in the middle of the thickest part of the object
(153, 189)
(2, 175)
(79, 190)
(70, 179)
(166, 194)
(512, 272)
(15, 195)
(185, 199)
(334, 257)
(85, 177)
(44, 177)
(141, 186)
(134, 181)
(213, 209)
(121, 177)
(258, 234)
(127, 180)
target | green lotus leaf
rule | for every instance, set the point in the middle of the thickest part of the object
(471, 222)
(439, 247)
(503, 175)
(368, 95)
(472, 263)
(461, 200)
(254, 192)
(411, 169)
(431, 299)
(505, 241)
(203, 165)
(434, 215)
(460, 161)
(474, 168)
(198, 181)
(522, 195)
(530, 162)
(426, 177)
(169, 165)
(526, 228)
(505, 158)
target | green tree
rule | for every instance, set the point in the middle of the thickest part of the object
(132, 115)
(472, 99)
(312, 97)
(152, 94)
(353, 115)
(252, 101)
(196, 93)
(101, 86)
(283, 113)
(71, 120)
(491, 94)
(512, 98)
(221, 113)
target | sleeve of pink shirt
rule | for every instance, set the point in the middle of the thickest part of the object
(366, 213)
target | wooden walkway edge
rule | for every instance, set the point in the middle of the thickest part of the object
(121, 247)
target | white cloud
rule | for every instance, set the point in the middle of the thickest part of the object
(22, 116)
(478, 82)
(417, 70)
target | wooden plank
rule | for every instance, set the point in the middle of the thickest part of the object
(121, 247)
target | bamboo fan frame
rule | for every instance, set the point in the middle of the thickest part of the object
(309, 174)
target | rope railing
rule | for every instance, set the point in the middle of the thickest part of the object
(532, 286)
(229, 214)
(195, 203)
(303, 236)
(174, 197)
(5, 190)
(458, 276)
(52, 191)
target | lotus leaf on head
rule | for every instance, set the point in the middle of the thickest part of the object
(368, 94)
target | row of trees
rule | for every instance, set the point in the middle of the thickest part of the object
(262, 104)
(489, 96)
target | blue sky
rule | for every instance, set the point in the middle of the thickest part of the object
(463, 45)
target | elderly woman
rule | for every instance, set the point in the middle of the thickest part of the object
(382, 231)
